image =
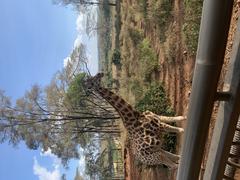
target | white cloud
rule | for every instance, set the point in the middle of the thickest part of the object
(82, 38)
(47, 153)
(65, 61)
(78, 41)
(89, 57)
(80, 23)
(56, 160)
(81, 162)
(80, 26)
(92, 64)
(44, 174)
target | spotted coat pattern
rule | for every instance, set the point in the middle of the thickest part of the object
(145, 130)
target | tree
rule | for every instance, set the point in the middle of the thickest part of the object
(61, 116)
(95, 162)
(89, 12)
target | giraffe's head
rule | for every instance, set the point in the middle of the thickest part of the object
(94, 82)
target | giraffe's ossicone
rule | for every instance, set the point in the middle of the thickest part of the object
(145, 130)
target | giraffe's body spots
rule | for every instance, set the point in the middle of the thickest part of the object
(145, 130)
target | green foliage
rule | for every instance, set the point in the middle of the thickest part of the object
(75, 92)
(148, 59)
(157, 12)
(156, 100)
(161, 14)
(135, 35)
(192, 18)
(116, 58)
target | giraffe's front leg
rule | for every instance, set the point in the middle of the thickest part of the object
(169, 128)
(173, 157)
(165, 119)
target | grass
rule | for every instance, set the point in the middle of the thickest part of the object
(170, 49)
(143, 8)
(192, 18)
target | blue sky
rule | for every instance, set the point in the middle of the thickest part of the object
(35, 37)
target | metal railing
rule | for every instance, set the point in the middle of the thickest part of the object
(224, 151)
(214, 28)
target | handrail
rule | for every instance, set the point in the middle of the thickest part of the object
(226, 132)
(214, 28)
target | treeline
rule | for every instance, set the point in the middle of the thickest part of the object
(61, 116)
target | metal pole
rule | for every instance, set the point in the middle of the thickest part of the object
(214, 28)
(226, 125)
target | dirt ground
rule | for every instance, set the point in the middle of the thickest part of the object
(176, 77)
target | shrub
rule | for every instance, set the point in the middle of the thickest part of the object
(135, 35)
(116, 58)
(148, 59)
(156, 100)
(161, 14)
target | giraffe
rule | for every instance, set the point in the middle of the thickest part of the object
(145, 130)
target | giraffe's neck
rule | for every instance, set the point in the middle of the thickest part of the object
(127, 113)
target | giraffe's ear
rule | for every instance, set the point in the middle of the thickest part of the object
(87, 84)
(87, 90)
